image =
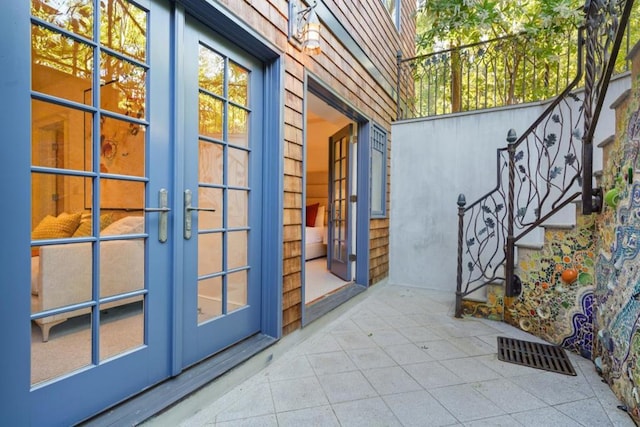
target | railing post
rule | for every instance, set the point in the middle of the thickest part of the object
(597, 78)
(510, 245)
(589, 81)
(461, 204)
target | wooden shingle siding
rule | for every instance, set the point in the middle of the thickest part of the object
(370, 26)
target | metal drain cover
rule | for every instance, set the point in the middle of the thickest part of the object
(540, 356)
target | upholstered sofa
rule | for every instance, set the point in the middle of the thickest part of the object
(61, 274)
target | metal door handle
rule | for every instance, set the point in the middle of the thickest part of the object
(195, 208)
(187, 213)
(163, 201)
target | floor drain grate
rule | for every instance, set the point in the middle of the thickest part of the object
(540, 356)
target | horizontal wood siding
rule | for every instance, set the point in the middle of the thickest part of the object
(374, 32)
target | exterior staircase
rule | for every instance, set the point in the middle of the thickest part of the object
(526, 250)
(557, 310)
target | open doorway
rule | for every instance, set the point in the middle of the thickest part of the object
(331, 164)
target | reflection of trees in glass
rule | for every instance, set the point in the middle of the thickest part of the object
(75, 16)
(58, 52)
(122, 30)
(128, 83)
(213, 69)
(238, 84)
(210, 116)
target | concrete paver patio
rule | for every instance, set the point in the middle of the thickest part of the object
(396, 356)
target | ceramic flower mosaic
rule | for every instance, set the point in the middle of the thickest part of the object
(556, 311)
(617, 306)
(595, 310)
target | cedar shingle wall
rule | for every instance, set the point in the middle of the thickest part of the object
(370, 25)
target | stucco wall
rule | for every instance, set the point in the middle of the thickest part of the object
(434, 160)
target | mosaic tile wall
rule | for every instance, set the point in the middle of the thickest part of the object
(596, 315)
(548, 307)
(617, 304)
(556, 308)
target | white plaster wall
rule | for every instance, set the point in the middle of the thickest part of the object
(433, 160)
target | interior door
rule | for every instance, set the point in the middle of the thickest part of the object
(339, 236)
(222, 194)
(101, 262)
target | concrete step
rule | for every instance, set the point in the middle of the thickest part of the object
(481, 295)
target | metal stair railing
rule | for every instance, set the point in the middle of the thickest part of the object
(544, 169)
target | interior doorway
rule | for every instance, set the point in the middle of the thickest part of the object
(330, 216)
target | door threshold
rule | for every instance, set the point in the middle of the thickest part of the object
(145, 405)
(331, 301)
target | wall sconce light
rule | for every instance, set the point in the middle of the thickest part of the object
(304, 26)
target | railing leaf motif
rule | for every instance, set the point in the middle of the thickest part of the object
(543, 170)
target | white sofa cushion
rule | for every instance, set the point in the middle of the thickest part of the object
(126, 225)
(35, 264)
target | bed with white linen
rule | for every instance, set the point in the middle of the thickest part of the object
(315, 242)
(315, 236)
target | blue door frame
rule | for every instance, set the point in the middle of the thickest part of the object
(315, 85)
(19, 404)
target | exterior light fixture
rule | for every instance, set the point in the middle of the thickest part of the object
(304, 26)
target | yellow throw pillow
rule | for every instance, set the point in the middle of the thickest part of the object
(105, 220)
(64, 225)
(84, 229)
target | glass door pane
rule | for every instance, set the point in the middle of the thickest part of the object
(89, 144)
(339, 230)
(223, 160)
(222, 179)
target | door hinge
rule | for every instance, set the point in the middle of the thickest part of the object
(352, 257)
(353, 198)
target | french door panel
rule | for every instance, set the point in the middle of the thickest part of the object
(339, 235)
(100, 271)
(222, 194)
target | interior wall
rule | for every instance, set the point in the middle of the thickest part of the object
(123, 150)
(322, 122)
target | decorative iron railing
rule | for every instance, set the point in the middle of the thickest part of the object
(488, 74)
(492, 73)
(545, 168)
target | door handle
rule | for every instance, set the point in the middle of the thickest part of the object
(163, 210)
(187, 213)
(195, 208)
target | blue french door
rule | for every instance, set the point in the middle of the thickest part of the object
(222, 194)
(100, 204)
(339, 235)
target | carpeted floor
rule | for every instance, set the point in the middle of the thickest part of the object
(69, 345)
(319, 281)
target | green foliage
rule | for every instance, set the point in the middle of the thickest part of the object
(531, 56)
(447, 23)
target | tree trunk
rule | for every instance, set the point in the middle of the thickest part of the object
(456, 81)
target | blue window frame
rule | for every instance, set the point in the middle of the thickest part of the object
(378, 175)
(393, 7)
